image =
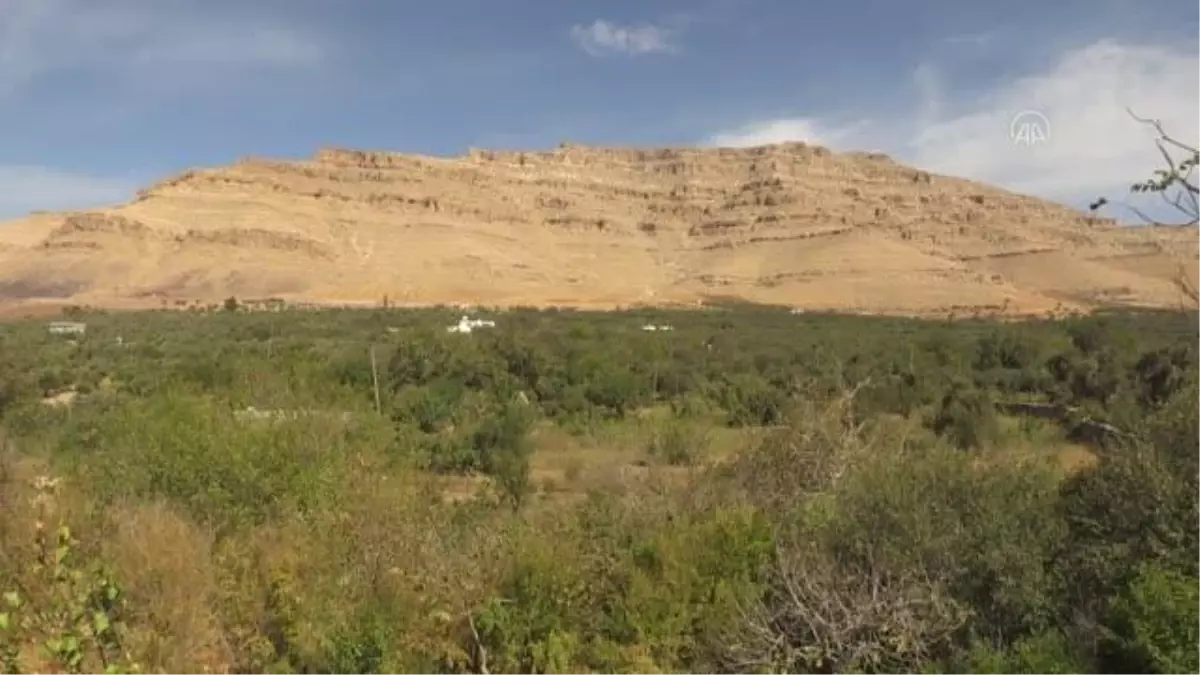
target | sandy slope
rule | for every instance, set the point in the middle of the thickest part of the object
(791, 224)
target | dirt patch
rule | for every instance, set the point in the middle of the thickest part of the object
(30, 289)
(1074, 458)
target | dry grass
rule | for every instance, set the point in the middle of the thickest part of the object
(616, 454)
(172, 587)
(611, 457)
(233, 604)
(1073, 458)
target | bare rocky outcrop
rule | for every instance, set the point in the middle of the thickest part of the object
(791, 224)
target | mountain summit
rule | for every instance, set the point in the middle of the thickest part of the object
(790, 224)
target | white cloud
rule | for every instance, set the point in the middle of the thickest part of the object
(30, 188)
(1093, 146)
(603, 37)
(768, 132)
(41, 37)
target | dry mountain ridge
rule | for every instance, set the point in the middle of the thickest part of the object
(593, 227)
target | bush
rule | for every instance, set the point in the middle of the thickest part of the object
(615, 593)
(752, 401)
(60, 608)
(502, 445)
(1154, 625)
(1048, 652)
(967, 417)
(677, 443)
(852, 537)
(1129, 510)
(224, 471)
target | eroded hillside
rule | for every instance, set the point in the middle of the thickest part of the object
(790, 224)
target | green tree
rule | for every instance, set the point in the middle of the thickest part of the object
(966, 416)
(1154, 625)
(502, 444)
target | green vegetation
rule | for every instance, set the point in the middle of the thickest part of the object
(361, 491)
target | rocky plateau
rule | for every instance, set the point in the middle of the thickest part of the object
(789, 224)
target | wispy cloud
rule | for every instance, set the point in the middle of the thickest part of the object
(30, 188)
(1093, 146)
(768, 132)
(138, 39)
(603, 38)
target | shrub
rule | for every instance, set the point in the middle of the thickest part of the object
(69, 605)
(1154, 625)
(677, 443)
(966, 416)
(852, 537)
(751, 401)
(502, 444)
(222, 470)
(1129, 510)
(1047, 652)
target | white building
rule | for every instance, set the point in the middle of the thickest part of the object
(466, 325)
(66, 328)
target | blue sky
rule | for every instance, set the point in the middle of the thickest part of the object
(99, 97)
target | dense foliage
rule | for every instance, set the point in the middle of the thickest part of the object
(364, 491)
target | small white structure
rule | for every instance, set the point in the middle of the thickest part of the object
(652, 327)
(67, 328)
(797, 310)
(466, 325)
(252, 413)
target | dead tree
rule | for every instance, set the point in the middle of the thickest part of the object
(1176, 184)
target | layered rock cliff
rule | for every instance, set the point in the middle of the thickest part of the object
(790, 224)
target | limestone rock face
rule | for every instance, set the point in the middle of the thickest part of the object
(790, 224)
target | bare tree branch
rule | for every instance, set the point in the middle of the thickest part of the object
(479, 653)
(826, 615)
(1186, 285)
(1175, 184)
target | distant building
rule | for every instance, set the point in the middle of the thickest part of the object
(466, 325)
(650, 328)
(67, 328)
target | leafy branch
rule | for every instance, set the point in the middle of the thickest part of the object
(73, 609)
(1175, 183)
